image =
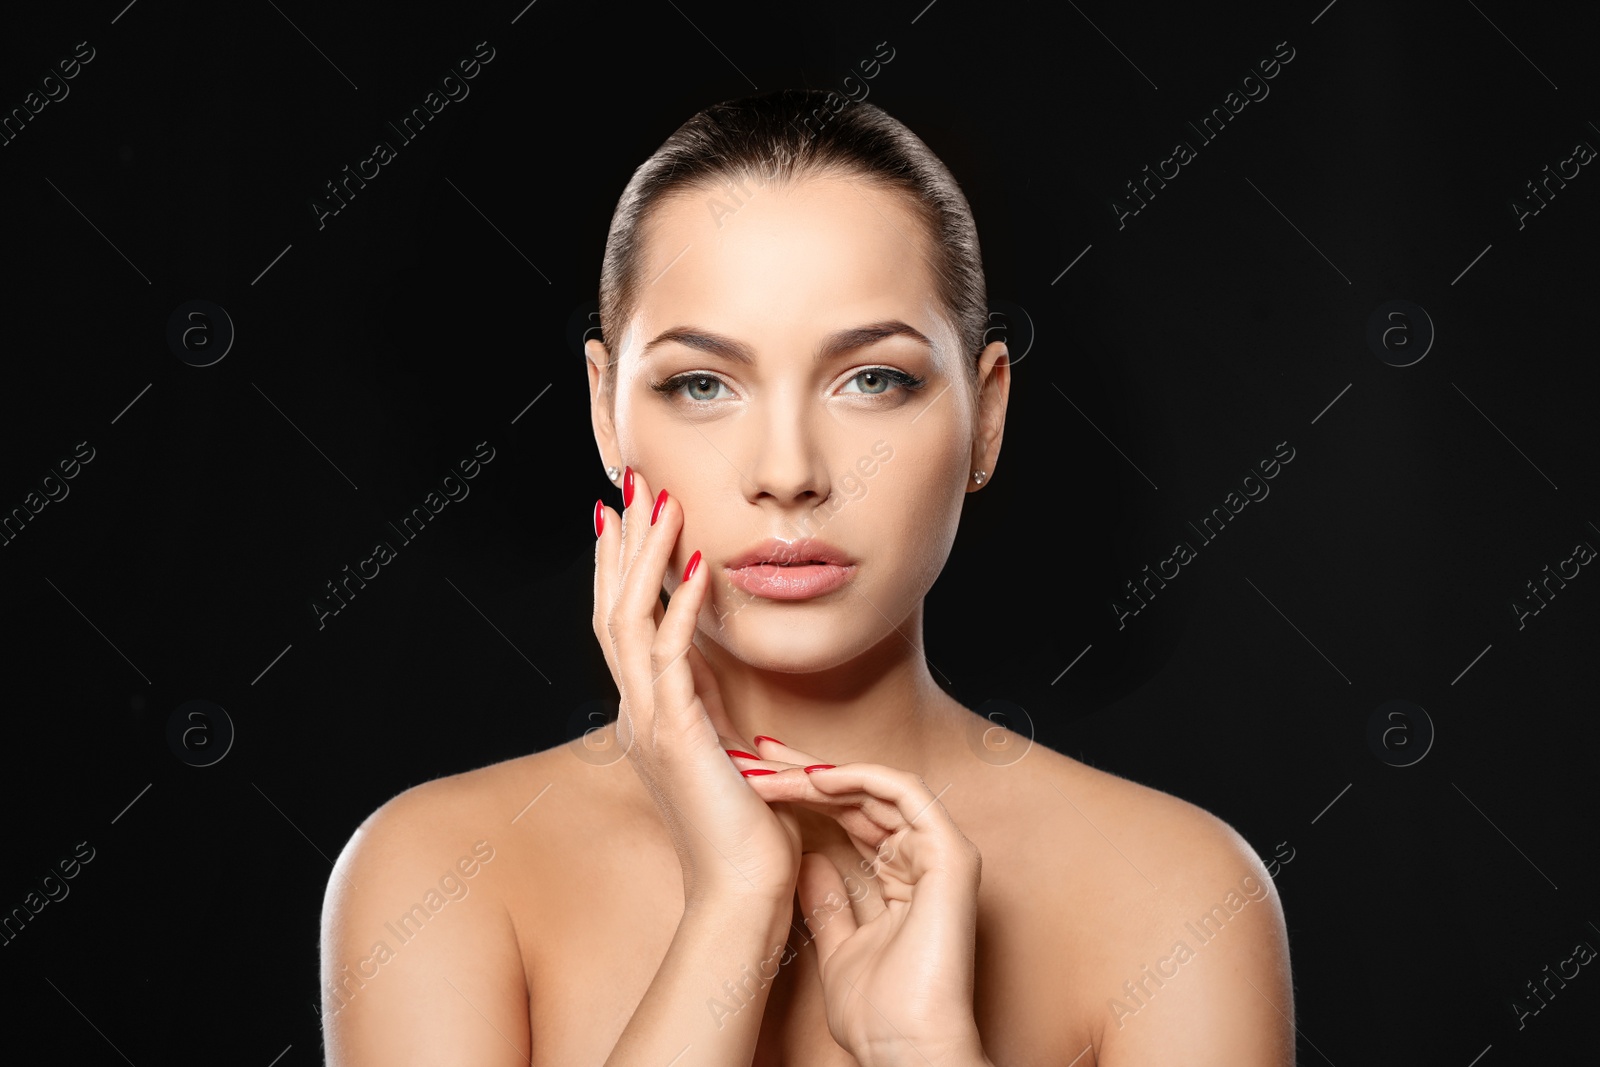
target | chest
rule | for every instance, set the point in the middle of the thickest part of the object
(589, 970)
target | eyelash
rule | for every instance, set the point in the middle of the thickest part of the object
(905, 381)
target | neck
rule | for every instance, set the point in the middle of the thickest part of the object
(882, 706)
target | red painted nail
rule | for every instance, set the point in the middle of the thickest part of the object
(764, 737)
(690, 568)
(820, 767)
(627, 487)
(655, 512)
(741, 755)
(599, 517)
(756, 770)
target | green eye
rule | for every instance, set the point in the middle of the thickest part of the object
(699, 388)
(702, 388)
(875, 381)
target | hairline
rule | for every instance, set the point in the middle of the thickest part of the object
(714, 180)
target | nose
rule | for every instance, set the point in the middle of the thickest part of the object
(789, 469)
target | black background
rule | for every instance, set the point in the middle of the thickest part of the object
(1224, 318)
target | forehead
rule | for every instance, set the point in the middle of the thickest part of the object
(792, 260)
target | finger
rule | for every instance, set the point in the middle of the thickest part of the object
(606, 548)
(862, 813)
(825, 904)
(867, 898)
(705, 683)
(794, 788)
(900, 797)
(868, 838)
(773, 772)
(672, 673)
(647, 549)
(637, 494)
(633, 612)
(862, 885)
(762, 771)
(772, 748)
(931, 840)
(768, 755)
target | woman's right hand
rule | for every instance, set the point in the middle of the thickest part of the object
(671, 722)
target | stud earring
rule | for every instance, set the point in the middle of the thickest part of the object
(611, 473)
(979, 476)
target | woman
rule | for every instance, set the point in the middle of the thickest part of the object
(793, 390)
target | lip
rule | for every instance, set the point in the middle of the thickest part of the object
(794, 582)
(765, 571)
(774, 550)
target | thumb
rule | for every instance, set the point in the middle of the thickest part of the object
(824, 904)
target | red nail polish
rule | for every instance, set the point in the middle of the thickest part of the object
(690, 568)
(819, 767)
(599, 517)
(741, 755)
(756, 770)
(764, 737)
(627, 487)
(655, 512)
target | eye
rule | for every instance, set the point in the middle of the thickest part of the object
(694, 386)
(875, 381)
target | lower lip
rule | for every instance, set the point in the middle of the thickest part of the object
(790, 583)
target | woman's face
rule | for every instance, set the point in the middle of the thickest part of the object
(790, 378)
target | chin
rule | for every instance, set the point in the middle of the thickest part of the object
(792, 637)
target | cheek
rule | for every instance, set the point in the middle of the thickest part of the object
(638, 427)
(663, 447)
(656, 437)
(916, 495)
(936, 459)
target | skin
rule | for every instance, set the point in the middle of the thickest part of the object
(952, 902)
(848, 668)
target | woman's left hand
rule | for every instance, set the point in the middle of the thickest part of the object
(896, 966)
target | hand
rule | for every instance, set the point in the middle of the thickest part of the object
(897, 965)
(670, 718)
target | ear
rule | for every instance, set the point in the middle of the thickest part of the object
(598, 363)
(994, 390)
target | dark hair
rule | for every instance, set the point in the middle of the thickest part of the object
(783, 136)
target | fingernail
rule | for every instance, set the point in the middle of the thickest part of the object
(741, 755)
(757, 770)
(819, 767)
(688, 571)
(627, 487)
(764, 737)
(661, 499)
(599, 517)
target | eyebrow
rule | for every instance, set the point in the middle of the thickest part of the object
(833, 344)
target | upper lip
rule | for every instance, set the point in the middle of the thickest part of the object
(775, 550)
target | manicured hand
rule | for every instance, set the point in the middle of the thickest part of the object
(671, 719)
(897, 965)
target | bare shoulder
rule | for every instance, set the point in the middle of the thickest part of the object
(1176, 838)
(477, 797)
(418, 944)
(1180, 930)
